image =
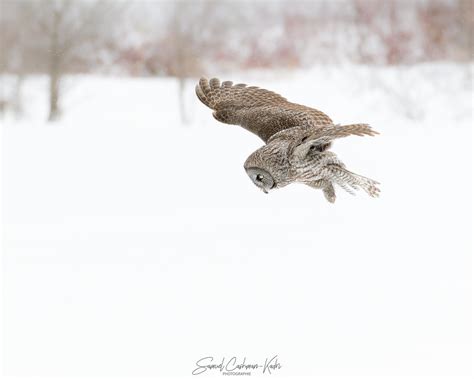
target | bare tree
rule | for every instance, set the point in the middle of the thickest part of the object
(74, 29)
(193, 35)
(66, 37)
(13, 58)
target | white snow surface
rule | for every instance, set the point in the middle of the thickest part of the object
(134, 245)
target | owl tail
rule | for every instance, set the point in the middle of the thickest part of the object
(350, 181)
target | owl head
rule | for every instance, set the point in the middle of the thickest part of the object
(293, 155)
(278, 163)
(267, 167)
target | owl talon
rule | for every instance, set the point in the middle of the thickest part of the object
(331, 199)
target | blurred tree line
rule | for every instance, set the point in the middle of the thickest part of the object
(185, 39)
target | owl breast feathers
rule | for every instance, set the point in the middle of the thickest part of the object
(297, 138)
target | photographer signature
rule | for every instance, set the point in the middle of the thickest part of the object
(234, 365)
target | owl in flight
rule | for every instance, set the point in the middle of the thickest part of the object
(297, 138)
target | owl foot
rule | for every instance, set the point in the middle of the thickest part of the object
(327, 187)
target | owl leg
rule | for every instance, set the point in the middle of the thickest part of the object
(327, 187)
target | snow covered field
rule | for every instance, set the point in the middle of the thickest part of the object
(134, 245)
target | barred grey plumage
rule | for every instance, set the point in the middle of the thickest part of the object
(297, 138)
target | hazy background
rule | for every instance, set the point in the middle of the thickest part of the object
(185, 40)
(134, 242)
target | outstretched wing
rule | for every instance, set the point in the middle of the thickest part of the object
(260, 111)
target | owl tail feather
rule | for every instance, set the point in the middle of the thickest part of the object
(349, 181)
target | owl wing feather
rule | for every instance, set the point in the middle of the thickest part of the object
(305, 138)
(331, 132)
(258, 110)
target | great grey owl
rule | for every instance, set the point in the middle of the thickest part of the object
(297, 138)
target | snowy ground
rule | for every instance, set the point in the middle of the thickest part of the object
(135, 245)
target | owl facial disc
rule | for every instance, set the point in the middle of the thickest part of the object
(261, 178)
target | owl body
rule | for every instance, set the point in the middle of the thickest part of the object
(297, 139)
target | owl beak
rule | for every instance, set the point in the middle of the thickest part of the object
(265, 190)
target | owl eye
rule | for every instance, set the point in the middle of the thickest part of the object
(261, 178)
